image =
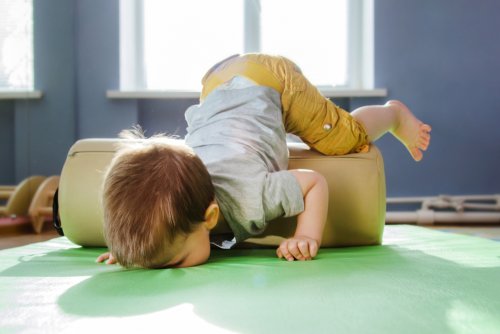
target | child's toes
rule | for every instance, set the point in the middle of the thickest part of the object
(426, 128)
(423, 144)
(416, 153)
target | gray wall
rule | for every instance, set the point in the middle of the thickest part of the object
(440, 57)
(443, 59)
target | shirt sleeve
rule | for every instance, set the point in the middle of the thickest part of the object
(282, 196)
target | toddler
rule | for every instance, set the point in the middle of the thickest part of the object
(165, 200)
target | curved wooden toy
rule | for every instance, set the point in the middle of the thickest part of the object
(19, 197)
(40, 209)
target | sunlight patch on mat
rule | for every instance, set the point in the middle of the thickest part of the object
(27, 298)
(178, 319)
(463, 318)
(468, 251)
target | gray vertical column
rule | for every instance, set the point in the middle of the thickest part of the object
(252, 26)
(45, 129)
(6, 142)
(98, 70)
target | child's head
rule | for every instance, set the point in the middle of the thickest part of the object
(158, 201)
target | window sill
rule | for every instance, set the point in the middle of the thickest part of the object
(164, 94)
(20, 94)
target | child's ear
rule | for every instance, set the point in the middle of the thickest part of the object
(212, 215)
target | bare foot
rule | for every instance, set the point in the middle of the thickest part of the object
(414, 134)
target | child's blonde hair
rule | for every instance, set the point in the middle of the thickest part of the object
(155, 190)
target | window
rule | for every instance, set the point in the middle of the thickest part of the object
(169, 45)
(16, 45)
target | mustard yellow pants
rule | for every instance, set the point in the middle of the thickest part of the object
(320, 123)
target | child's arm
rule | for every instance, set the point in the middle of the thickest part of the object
(106, 257)
(305, 243)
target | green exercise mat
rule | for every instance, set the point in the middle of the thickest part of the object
(418, 281)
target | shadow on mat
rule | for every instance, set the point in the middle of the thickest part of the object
(61, 263)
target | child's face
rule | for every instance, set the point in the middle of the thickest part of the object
(191, 251)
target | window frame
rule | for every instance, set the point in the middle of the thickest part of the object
(360, 71)
(25, 91)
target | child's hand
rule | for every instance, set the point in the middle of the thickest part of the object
(108, 257)
(298, 248)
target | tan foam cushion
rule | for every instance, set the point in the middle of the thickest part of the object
(356, 184)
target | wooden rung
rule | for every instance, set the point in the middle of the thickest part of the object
(5, 194)
(45, 211)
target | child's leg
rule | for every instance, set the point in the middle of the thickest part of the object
(330, 129)
(320, 123)
(396, 118)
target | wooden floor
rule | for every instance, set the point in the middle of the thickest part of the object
(25, 235)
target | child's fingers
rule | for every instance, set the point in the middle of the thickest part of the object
(285, 252)
(299, 249)
(313, 248)
(111, 259)
(303, 246)
(108, 258)
(293, 248)
(278, 253)
(102, 257)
